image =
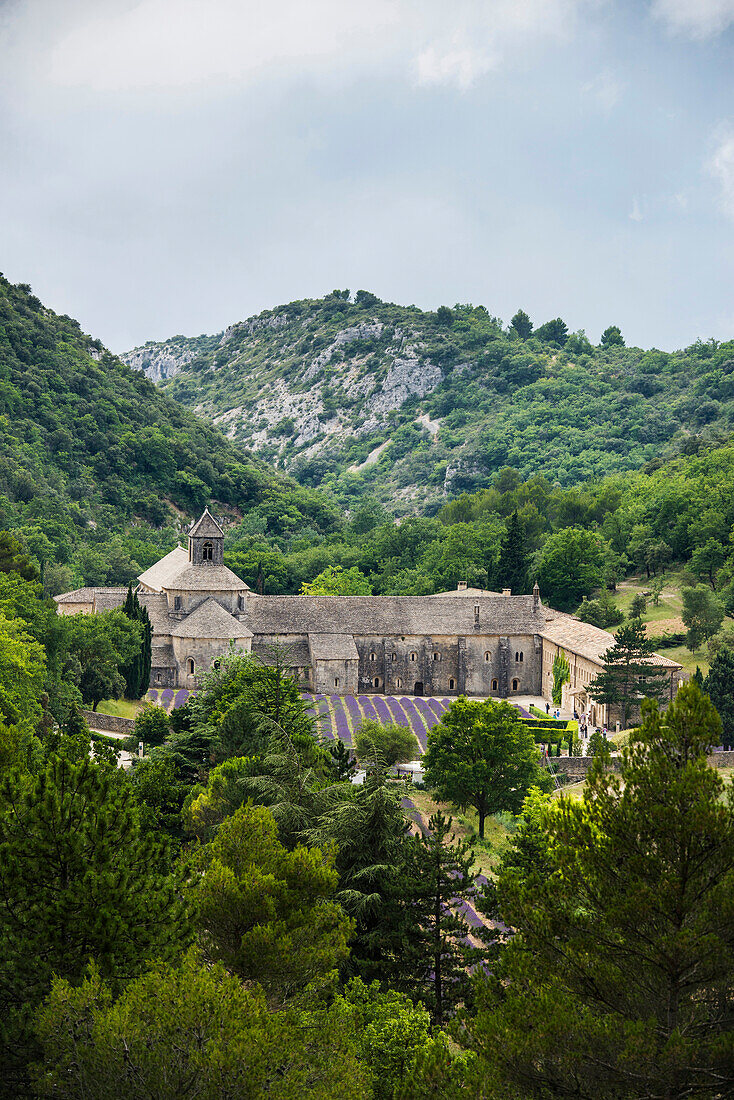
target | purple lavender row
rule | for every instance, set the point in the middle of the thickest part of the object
(323, 718)
(369, 711)
(181, 697)
(340, 718)
(436, 707)
(417, 724)
(426, 712)
(396, 710)
(382, 711)
(355, 712)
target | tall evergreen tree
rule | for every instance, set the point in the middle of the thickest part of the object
(618, 982)
(512, 571)
(521, 324)
(78, 881)
(441, 881)
(371, 838)
(136, 673)
(629, 676)
(719, 685)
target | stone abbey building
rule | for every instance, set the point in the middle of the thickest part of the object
(467, 642)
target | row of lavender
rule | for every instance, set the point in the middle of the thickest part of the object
(340, 715)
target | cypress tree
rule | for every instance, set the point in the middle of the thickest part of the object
(512, 571)
(136, 674)
(719, 685)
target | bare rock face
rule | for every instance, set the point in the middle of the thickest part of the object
(160, 361)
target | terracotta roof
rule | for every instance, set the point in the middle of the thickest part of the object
(378, 615)
(206, 578)
(206, 527)
(210, 620)
(160, 575)
(588, 641)
(332, 647)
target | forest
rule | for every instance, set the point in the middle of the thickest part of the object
(233, 917)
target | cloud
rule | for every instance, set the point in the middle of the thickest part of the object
(721, 167)
(605, 89)
(113, 46)
(696, 18)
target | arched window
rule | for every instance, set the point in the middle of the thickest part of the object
(398, 682)
(394, 657)
(336, 681)
(372, 656)
(487, 656)
(413, 656)
(518, 657)
(452, 685)
(515, 685)
(521, 656)
(207, 551)
(437, 656)
(494, 685)
(190, 666)
(377, 681)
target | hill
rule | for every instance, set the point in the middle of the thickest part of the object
(365, 397)
(99, 469)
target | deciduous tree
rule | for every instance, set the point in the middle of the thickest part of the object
(481, 755)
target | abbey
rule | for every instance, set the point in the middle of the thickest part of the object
(465, 642)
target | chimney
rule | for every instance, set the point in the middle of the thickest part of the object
(506, 591)
(536, 597)
(461, 586)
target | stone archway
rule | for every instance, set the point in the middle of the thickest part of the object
(418, 687)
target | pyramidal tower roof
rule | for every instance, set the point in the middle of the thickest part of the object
(206, 527)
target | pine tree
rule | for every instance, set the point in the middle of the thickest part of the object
(617, 983)
(78, 880)
(629, 676)
(441, 881)
(371, 838)
(719, 685)
(512, 571)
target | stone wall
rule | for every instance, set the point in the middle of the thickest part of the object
(576, 767)
(108, 723)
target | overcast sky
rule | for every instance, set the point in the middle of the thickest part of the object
(171, 166)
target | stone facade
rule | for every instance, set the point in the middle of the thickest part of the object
(467, 642)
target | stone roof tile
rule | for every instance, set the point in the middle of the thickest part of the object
(206, 527)
(160, 575)
(210, 620)
(207, 578)
(332, 647)
(380, 615)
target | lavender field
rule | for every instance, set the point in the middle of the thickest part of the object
(340, 715)
(168, 698)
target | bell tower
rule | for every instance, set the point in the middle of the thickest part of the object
(206, 541)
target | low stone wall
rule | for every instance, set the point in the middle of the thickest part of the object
(576, 767)
(108, 723)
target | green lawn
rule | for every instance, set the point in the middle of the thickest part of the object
(668, 610)
(120, 708)
(497, 837)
